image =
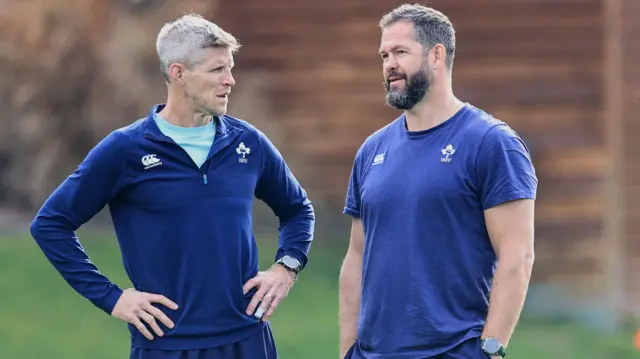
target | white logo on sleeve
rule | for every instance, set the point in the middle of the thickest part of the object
(243, 151)
(447, 152)
(150, 161)
(379, 159)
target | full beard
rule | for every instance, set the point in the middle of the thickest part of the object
(415, 89)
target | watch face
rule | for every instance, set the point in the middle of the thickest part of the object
(491, 345)
(291, 262)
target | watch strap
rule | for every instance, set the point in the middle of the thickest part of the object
(501, 351)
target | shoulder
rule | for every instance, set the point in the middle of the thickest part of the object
(130, 133)
(486, 129)
(243, 126)
(118, 140)
(238, 123)
(251, 136)
(378, 138)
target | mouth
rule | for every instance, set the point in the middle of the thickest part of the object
(223, 96)
(394, 79)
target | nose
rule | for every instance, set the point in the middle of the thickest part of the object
(229, 80)
(390, 65)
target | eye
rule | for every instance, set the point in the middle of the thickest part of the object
(218, 69)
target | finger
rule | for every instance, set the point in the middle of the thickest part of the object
(257, 298)
(274, 304)
(264, 305)
(158, 298)
(141, 328)
(159, 314)
(151, 321)
(251, 283)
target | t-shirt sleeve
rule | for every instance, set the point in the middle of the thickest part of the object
(505, 170)
(353, 203)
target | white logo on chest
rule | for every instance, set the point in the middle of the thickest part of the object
(447, 152)
(150, 161)
(243, 151)
(378, 159)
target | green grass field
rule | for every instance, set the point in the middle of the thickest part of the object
(41, 317)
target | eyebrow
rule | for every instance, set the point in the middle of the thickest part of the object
(392, 49)
(218, 64)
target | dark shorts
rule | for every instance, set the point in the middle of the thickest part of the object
(258, 346)
(469, 349)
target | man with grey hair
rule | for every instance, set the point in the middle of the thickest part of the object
(442, 207)
(180, 185)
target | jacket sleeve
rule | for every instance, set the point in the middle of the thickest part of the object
(279, 189)
(78, 199)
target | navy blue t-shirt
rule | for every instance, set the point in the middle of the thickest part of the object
(428, 262)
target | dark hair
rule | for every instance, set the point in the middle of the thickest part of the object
(431, 27)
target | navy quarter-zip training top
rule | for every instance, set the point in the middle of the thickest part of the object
(184, 231)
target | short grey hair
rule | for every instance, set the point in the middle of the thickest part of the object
(181, 40)
(431, 27)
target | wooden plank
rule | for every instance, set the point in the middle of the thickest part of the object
(488, 69)
(570, 186)
(571, 210)
(540, 119)
(573, 44)
(566, 271)
(503, 9)
(574, 162)
(613, 238)
(328, 16)
(464, 10)
(552, 92)
(630, 148)
(583, 248)
(554, 142)
(558, 232)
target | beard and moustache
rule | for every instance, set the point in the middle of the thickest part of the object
(415, 89)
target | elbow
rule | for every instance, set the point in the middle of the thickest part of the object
(527, 266)
(46, 226)
(309, 212)
(519, 267)
(36, 227)
(307, 217)
(306, 209)
(304, 212)
(40, 225)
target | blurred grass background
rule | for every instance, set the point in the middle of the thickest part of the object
(37, 306)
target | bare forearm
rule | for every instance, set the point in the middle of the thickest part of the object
(508, 294)
(350, 284)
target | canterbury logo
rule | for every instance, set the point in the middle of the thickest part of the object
(150, 161)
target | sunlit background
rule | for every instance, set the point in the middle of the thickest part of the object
(562, 73)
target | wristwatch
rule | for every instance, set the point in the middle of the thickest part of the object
(289, 263)
(492, 347)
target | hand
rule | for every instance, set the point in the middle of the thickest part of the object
(273, 286)
(134, 306)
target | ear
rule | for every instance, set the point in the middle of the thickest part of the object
(176, 73)
(439, 56)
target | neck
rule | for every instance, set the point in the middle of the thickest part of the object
(180, 113)
(438, 105)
